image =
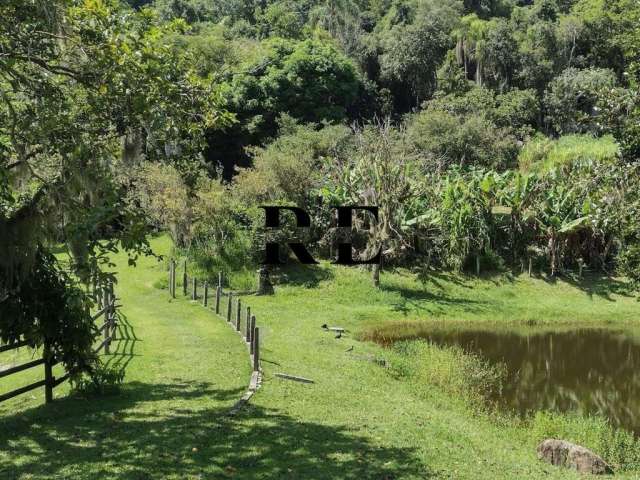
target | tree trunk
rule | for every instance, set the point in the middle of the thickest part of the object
(376, 275)
(553, 249)
(264, 284)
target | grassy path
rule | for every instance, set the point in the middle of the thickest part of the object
(185, 368)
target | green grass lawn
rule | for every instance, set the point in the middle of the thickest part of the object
(184, 369)
(358, 420)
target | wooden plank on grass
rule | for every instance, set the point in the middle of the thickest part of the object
(294, 378)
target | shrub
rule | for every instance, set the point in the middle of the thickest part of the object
(103, 380)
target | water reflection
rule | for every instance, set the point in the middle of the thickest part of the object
(590, 370)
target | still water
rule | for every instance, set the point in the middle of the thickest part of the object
(590, 370)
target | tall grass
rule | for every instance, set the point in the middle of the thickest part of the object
(464, 376)
(617, 446)
(543, 153)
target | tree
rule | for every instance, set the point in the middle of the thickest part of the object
(572, 96)
(411, 57)
(446, 140)
(311, 81)
(500, 55)
(86, 89)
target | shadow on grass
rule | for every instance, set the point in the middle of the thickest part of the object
(149, 431)
(593, 284)
(294, 273)
(419, 300)
(122, 348)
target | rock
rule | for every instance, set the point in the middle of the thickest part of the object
(570, 455)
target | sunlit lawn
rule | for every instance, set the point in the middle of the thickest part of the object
(185, 368)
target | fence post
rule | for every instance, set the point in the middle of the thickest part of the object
(184, 280)
(48, 374)
(229, 308)
(170, 275)
(173, 279)
(112, 324)
(251, 331)
(220, 280)
(107, 318)
(530, 265)
(194, 294)
(218, 300)
(238, 313)
(205, 297)
(248, 325)
(256, 349)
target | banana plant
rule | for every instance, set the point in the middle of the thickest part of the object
(516, 193)
(560, 211)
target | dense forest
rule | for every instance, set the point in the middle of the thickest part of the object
(490, 134)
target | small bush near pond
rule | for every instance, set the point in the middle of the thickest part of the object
(617, 446)
(104, 380)
(463, 375)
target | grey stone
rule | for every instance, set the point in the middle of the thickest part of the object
(570, 455)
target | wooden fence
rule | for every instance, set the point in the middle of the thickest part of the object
(238, 316)
(106, 303)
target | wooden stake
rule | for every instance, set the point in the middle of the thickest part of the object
(238, 313)
(256, 349)
(184, 280)
(173, 278)
(194, 293)
(205, 298)
(107, 319)
(48, 374)
(251, 330)
(218, 300)
(248, 324)
(229, 308)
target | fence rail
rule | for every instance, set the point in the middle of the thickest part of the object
(107, 309)
(233, 314)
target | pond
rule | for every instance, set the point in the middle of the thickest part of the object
(586, 370)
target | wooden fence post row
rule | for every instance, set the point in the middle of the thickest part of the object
(251, 333)
(106, 299)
